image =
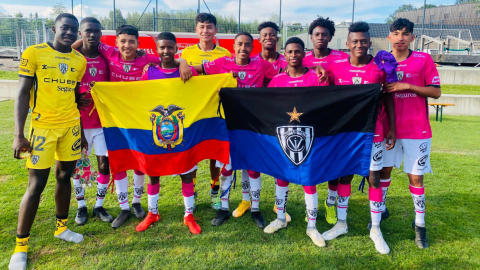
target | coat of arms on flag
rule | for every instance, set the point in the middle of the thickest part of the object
(167, 128)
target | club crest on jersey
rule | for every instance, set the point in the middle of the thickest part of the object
(127, 68)
(242, 75)
(34, 159)
(357, 80)
(63, 67)
(93, 71)
(400, 75)
(204, 61)
(167, 128)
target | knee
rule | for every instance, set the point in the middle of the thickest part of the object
(63, 176)
(103, 168)
(187, 178)
(416, 180)
(253, 174)
(374, 179)
(346, 180)
(35, 189)
(386, 172)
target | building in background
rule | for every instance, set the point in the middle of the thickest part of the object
(463, 14)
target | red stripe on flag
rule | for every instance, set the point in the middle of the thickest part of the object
(168, 164)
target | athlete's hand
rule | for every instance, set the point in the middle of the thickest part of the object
(185, 71)
(140, 53)
(91, 84)
(396, 87)
(20, 144)
(321, 73)
(390, 140)
(84, 102)
(84, 142)
(234, 74)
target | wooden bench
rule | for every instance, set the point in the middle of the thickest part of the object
(439, 107)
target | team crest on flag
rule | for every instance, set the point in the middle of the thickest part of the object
(399, 75)
(93, 71)
(63, 67)
(357, 80)
(242, 75)
(296, 142)
(167, 128)
(127, 68)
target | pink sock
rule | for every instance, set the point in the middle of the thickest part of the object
(418, 196)
(153, 195)
(103, 178)
(310, 189)
(187, 189)
(120, 175)
(376, 204)
(332, 194)
(282, 183)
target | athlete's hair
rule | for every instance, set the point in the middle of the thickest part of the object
(90, 20)
(66, 15)
(325, 23)
(205, 18)
(401, 23)
(295, 40)
(268, 24)
(166, 36)
(127, 29)
(359, 27)
(244, 34)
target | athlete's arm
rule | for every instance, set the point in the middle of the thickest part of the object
(77, 44)
(184, 69)
(390, 109)
(426, 91)
(80, 99)
(321, 73)
(20, 143)
(199, 69)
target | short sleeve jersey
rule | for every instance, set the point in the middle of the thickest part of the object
(157, 72)
(249, 76)
(123, 70)
(280, 62)
(343, 73)
(195, 56)
(55, 74)
(310, 78)
(98, 71)
(310, 60)
(411, 110)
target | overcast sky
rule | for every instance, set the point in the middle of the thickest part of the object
(293, 11)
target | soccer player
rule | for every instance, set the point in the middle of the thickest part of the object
(49, 79)
(418, 80)
(203, 52)
(321, 32)
(97, 70)
(251, 72)
(168, 68)
(296, 76)
(269, 39)
(361, 68)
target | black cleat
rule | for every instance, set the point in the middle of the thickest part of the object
(120, 220)
(138, 211)
(81, 218)
(420, 236)
(221, 216)
(259, 220)
(102, 214)
(385, 215)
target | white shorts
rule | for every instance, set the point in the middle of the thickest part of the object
(96, 139)
(189, 171)
(415, 154)
(376, 156)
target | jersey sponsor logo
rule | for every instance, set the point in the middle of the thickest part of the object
(63, 68)
(126, 68)
(65, 89)
(296, 142)
(72, 69)
(423, 160)
(24, 70)
(62, 81)
(423, 147)
(436, 79)
(34, 159)
(76, 130)
(167, 128)
(400, 75)
(405, 95)
(92, 71)
(357, 80)
(242, 75)
(47, 67)
(63, 58)
(377, 144)
(76, 145)
(24, 62)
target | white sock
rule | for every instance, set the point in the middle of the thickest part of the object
(256, 187)
(188, 202)
(138, 185)
(332, 197)
(245, 186)
(418, 196)
(153, 203)
(385, 185)
(376, 212)
(70, 236)
(101, 192)
(121, 187)
(281, 197)
(311, 202)
(342, 206)
(225, 182)
(79, 193)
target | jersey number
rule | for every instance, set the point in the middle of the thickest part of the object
(39, 146)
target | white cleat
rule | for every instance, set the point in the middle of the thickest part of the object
(275, 226)
(18, 261)
(336, 231)
(70, 236)
(316, 237)
(380, 244)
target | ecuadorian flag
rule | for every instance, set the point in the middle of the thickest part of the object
(163, 127)
(302, 135)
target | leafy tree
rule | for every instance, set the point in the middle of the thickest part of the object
(457, 2)
(58, 9)
(406, 7)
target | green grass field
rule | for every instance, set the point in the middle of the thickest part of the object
(8, 75)
(452, 215)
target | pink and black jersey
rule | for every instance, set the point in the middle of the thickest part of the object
(310, 60)
(280, 63)
(97, 70)
(411, 110)
(343, 73)
(249, 76)
(157, 72)
(123, 70)
(310, 78)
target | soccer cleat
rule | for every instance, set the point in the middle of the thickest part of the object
(380, 244)
(138, 211)
(330, 213)
(216, 203)
(18, 261)
(102, 214)
(275, 226)
(385, 215)
(221, 216)
(420, 236)
(147, 222)
(190, 221)
(316, 237)
(243, 207)
(70, 236)
(259, 220)
(124, 216)
(336, 231)
(81, 217)
(287, 216)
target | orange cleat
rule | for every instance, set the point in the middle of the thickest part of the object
(149, 220)
(192, 224)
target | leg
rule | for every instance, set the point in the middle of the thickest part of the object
(188, 200)
(214, 173)
(102, 186)
(281, 197)
(82, 216)
(245, 205)
(376, 208)
(330, 209)
(344, 191)
(256, 187)
(311, 202)
(121, 187)
(138, 186)
(153, 190)
(225, 183)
